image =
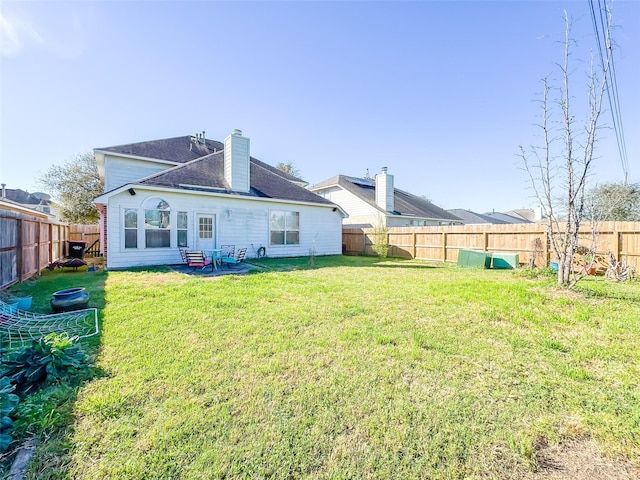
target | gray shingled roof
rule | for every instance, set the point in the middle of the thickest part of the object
(405, 203)
(177, 149)
(207, 174)
(182, 150)
(468, 217)
(22, 197)
(498, 217)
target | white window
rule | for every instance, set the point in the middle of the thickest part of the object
(182, 226)
(157, 224)
(130, 228)
(284, 227)
(205, 228)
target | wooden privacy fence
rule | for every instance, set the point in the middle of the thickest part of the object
(442, 243)
(89, 234)
(27, 245)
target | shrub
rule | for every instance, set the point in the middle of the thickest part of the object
(8, 402)
(46, 409)
(381, 239)
(46, 360)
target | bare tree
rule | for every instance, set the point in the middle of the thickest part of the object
(559, 169)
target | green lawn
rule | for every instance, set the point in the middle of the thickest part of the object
(350, 368)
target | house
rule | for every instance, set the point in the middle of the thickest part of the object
(531, 215)
(38, 201)
(7, 205)
(197, 193)
(496, 218)
(376, 202)
(471, 218)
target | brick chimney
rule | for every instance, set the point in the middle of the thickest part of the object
(236, 161)
(384, 190)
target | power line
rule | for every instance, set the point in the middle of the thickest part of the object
(611, 81)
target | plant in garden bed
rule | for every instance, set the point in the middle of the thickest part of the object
(8, 402)
(381, 239)
(44, 410)
(46, 360)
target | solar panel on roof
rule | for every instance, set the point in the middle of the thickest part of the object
(362, 182)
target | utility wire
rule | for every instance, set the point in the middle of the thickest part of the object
(622, 147)
(612, 84)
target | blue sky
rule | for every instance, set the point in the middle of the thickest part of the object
(441, 93)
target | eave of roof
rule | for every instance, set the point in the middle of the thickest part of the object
(17, 207)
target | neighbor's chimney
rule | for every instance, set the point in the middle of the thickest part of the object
(537, 214)
(4, 192)
(236, 161)
(384, 190)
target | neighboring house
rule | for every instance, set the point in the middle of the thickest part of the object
(531, 215)
(197, 193)
(498, 217)
(471, 218)
(9, 206)
(376, 203)
(33, 201)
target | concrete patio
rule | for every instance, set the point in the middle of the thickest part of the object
(239, 269)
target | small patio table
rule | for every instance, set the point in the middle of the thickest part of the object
(216, 255)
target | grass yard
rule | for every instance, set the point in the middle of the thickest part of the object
(350, 368)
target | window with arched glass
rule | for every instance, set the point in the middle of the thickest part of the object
(157, 223)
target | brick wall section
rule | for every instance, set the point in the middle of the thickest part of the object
(103, 234)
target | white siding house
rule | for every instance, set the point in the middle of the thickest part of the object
(370, 202)
(202, 194)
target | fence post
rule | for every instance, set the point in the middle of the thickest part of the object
(485, 238)
(50, 244)
(38, 226)
(415, 247)
(444, 247)
(618, 236)
(19, 250)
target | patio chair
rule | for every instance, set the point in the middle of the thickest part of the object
(197, 258)
(235, 261)
(228, 250)
(183, 254)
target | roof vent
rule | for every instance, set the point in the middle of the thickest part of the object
(198, 139)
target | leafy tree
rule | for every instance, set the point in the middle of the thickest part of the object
(289, 168)
(616, 201)
(73, 186)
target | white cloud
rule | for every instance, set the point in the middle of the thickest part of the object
(57, 27)
(10, 44)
